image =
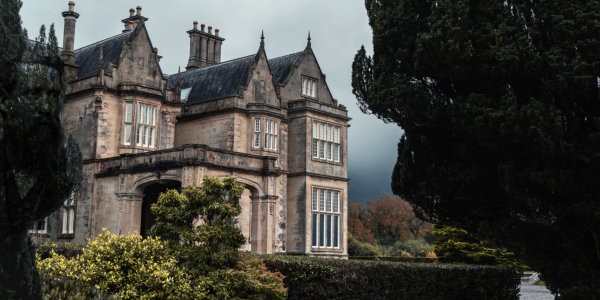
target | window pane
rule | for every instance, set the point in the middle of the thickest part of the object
(151, 137)
(315, 200)
(336, 202)
(321, 131)
(336, 234)
(275, 143)
(139, 135)
(71, 220)
(321, 200)
(328, 131)
(336, 134)
(315, 148)
(322, 149)
(257, 140)
(314, 230)
(315, 130)
(65, 220)
(321, 230)
(127, 140)
(128, 112)
(336, 152)
(328, 230)
(329, 151)
(328, 204)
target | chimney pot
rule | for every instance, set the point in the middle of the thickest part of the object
(195, 25)
(131, 12)
(138, 10)
(202, 27)
(71, 5)
(209, 29)
(216, 31)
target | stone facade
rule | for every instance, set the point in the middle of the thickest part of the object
(270, 123)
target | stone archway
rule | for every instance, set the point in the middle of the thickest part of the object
(151, 193)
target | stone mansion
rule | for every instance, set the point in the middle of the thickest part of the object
(271, 123)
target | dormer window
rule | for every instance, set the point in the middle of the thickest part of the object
(185, 93)
(309, 87)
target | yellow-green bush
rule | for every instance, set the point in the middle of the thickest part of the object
(127, 266)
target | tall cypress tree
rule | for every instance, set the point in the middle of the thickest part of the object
(38, 165)
(500, 106)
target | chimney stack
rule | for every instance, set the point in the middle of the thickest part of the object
(135, 17)
(68, 53)
(194, 60)
(205, 47)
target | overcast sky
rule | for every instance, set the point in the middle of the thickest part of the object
(338, 28)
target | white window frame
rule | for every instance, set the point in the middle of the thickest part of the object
(128, 123)
(269, 131)
(309, 87)
(270, 135)
(34, 227)
(256, 133)
(326, 142)
(68, 216)
(146, 125)
(326, 219)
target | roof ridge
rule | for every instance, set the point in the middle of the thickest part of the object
(213, 66)
(104, 40)
(299, 52)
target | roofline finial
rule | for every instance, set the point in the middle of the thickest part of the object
(308, 40)
(262, 38)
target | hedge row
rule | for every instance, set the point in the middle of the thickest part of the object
(318, 278)
(68, 250)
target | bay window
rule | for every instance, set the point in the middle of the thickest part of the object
(326, 142)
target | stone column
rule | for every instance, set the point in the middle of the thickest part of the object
(130, 213)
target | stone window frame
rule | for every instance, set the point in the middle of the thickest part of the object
(67, 215)
(309, 87)
(265, 134)
(138, 125)
(326, 144)
(35, 228)
(326, 218)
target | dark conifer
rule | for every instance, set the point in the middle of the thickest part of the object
(38, 165)
(500, 106)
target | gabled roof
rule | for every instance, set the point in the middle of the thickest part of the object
(87, 58)
(214, 82)
(281, 66)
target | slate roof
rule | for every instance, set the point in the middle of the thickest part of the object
(87, 57)
(225, 79)
(281, 66)
(214, 82)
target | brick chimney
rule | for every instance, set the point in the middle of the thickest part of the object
(68, 53)
(205, 47)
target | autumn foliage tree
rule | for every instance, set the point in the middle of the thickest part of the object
(385, 221)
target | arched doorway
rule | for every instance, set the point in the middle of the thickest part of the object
(151, 193)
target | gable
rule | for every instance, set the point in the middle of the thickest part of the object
(88, 57)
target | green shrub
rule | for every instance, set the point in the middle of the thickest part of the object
(313, 278)
(358, 248)
(457, 245)
(409, 248)
(127, 266)
(68, 250)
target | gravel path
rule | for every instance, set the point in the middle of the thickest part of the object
(535, 292)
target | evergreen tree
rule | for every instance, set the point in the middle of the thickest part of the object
(37, 170)
(500, 106)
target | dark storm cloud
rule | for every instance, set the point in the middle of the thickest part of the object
(338, 29)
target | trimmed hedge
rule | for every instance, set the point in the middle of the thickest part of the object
(68, 250)
(318, 278)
